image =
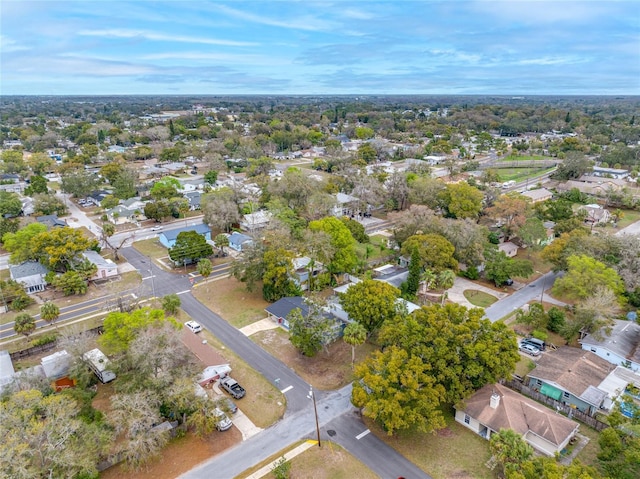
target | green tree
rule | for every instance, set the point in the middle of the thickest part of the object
(205, 267)
(70, 282)
(370, 303)
(584, 275)
(460, 348)
(49, 312)
(211, 177)
(121, 328)
(46, 436)
(220, 208)
(410, 287)
(24, 324)
(367, 153)
(46, 204)
(510, 450)
(19, 243)
(461, 200)
(171, 303)
(190, 246)
(10, 204)
(8, 225)
(79, 183)
(277, 279)
(110, 201)
(37, 184)
(445, 279)
(532, 232)
(343, 256)
(354, 334)
(157, 210)
(59, 248)
(511, 210)
(124, 185)
(221, 241)
(310, 332)
(499, 267)
(398, 391)
(534, 317)
(165, 188)
(435, 251)
(356, 228)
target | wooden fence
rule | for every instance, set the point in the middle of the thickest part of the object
(34, 350)
(557, 405)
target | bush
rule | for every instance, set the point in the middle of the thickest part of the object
(44, 339)
(556, 319)
(471, 273)
(541, 335)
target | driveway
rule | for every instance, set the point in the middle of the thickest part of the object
(78, 217)
(632, 229)
(460, 285)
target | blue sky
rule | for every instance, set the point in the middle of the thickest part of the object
(324, 47)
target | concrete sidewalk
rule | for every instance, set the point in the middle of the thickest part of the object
(263, 471)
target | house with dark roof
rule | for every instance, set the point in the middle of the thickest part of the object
(168, 238)
(279, 311)
(496, 407)
(194, 198)
(30, 274)
(51, 221)
(572, 376)
(620, 345)
(97, 197)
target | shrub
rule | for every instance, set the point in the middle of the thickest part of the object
(44, 339)
(541, 335)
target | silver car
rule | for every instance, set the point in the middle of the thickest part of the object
(224, 422)
(532, 350)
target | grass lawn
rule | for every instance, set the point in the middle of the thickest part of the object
(326, 370)
(520, 174)
(510, 158)
(452, 452)
(590, 452)
(629, 217)
(479, 298)
(230, 299)
(327, 462)
(377, 248)
(151, 247)
(524, 367)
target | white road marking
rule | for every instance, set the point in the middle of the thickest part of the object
(289, 388)
(362, 434)
(149, 277)
(185, 291)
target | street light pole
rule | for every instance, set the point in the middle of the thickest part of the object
(544, 283)
(311, 395)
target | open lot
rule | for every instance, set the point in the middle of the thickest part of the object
(520, 174)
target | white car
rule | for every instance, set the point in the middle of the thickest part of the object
(223, 421)
(193, 326)
(156, 228)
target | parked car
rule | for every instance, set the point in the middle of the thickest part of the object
(508, 282)
(536, 343)
(193, 326)
(527, 348)
(156, 228)
(229, 405)
(223, 422)
(232, 387)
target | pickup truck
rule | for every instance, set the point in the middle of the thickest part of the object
(232, 387)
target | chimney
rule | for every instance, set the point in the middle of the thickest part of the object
(494, 402)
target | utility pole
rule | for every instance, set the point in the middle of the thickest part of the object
(311, 395)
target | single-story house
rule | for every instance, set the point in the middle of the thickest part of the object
(616, 173)
(51, 221)
(508, 248)
(27, 206)
(30, 274)
(496, 407)
(616, 384)
(301, 271)
(595, 214)
(194, 198)
(122, 214)
(572, 376)
(237, 241)
(255, 221)
(539, 195)
(106, 267)
(279, 311)
(212, 373)
(621, 347)
(97, 197)
(168, 238)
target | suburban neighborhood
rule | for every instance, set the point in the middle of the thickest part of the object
(212, 288)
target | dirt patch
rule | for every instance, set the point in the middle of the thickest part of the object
(179, 456)
(445, 432)
(330, 369)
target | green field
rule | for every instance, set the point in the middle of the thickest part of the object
(520, 174)
(525, 158)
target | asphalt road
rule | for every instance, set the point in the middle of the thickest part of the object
(521, 297)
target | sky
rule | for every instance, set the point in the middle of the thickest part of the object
(300, 47)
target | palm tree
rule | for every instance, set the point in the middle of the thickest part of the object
(428, 278)
(49, 312)
(354, 334)
(446, 279)
(24, 324)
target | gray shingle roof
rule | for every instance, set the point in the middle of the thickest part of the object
(623, 340)
(26, 269)
(173, 234)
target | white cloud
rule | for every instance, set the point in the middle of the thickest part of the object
(8, 45)
(308, 23)
(227, 58)
(124, 33)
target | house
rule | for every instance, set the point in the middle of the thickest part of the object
(6, 370)
(393, 276)
(168, 238)
(346, 205)
(30, 274)
(539, 195)
(617, 385)
(121, 214)
(255, 221)
(27, 206)
(194, 198)
(279, 311)
(496, 407)
(51, 221)
(97, 197)
(301, 271)
(212, 373)
(508, 248)
(57, 365)
(617, 173)
(621, 346)
(572, 376)
(237, 241)
(595, 214)
(106, 267)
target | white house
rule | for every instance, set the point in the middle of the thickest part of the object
(255, 221)
(106, 267)
(496, 407)
(621, 347)
(30, 274)
(508, 248)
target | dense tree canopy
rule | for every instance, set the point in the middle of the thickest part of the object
(371, 303)
(435, 251)
(584, 275)
(343, 257)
